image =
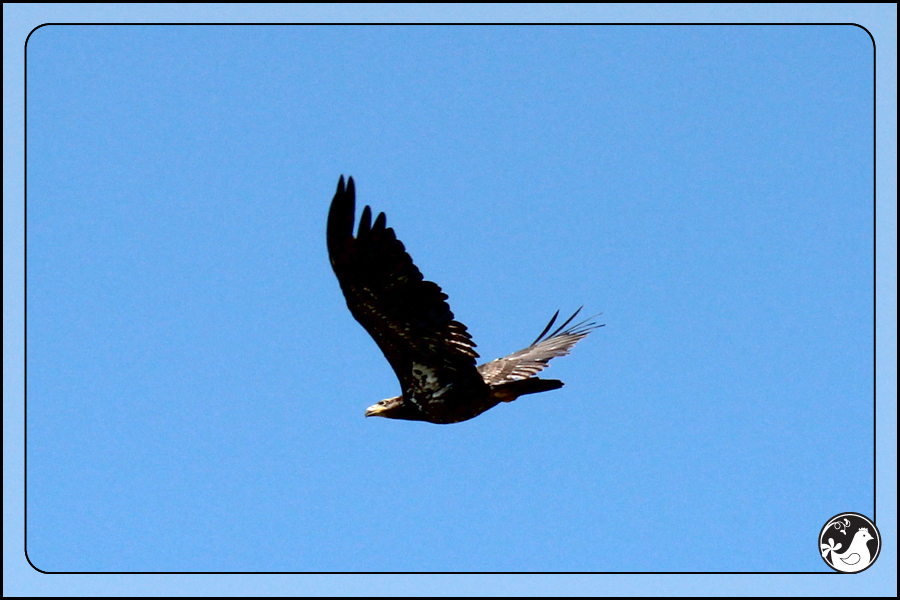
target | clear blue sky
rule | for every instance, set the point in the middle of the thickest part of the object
(196, 384)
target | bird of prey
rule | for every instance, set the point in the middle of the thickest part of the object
(432, 354)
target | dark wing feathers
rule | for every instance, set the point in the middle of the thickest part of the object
(379, 222)
(560, 328)
(407, 316)
(530, 361)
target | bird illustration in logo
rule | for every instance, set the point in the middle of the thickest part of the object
(853, 559)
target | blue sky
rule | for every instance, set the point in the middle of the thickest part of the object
(196, 384)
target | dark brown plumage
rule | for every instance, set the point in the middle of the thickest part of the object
(432, 354)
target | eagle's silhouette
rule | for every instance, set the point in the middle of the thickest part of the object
(408, 317)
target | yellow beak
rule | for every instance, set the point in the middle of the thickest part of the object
(375, 410)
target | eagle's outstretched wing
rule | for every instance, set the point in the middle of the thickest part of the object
(528, 362)
(407, 316)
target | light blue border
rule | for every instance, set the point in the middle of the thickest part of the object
(19, 579)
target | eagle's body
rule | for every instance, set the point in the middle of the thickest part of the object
(408, 317)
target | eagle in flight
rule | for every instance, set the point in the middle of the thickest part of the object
(432, 354)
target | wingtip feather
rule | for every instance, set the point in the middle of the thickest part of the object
(340, 219)
(546, 329)
(365, 222)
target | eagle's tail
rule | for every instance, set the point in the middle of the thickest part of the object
(507, 392)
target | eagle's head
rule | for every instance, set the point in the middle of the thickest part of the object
(396, 408)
